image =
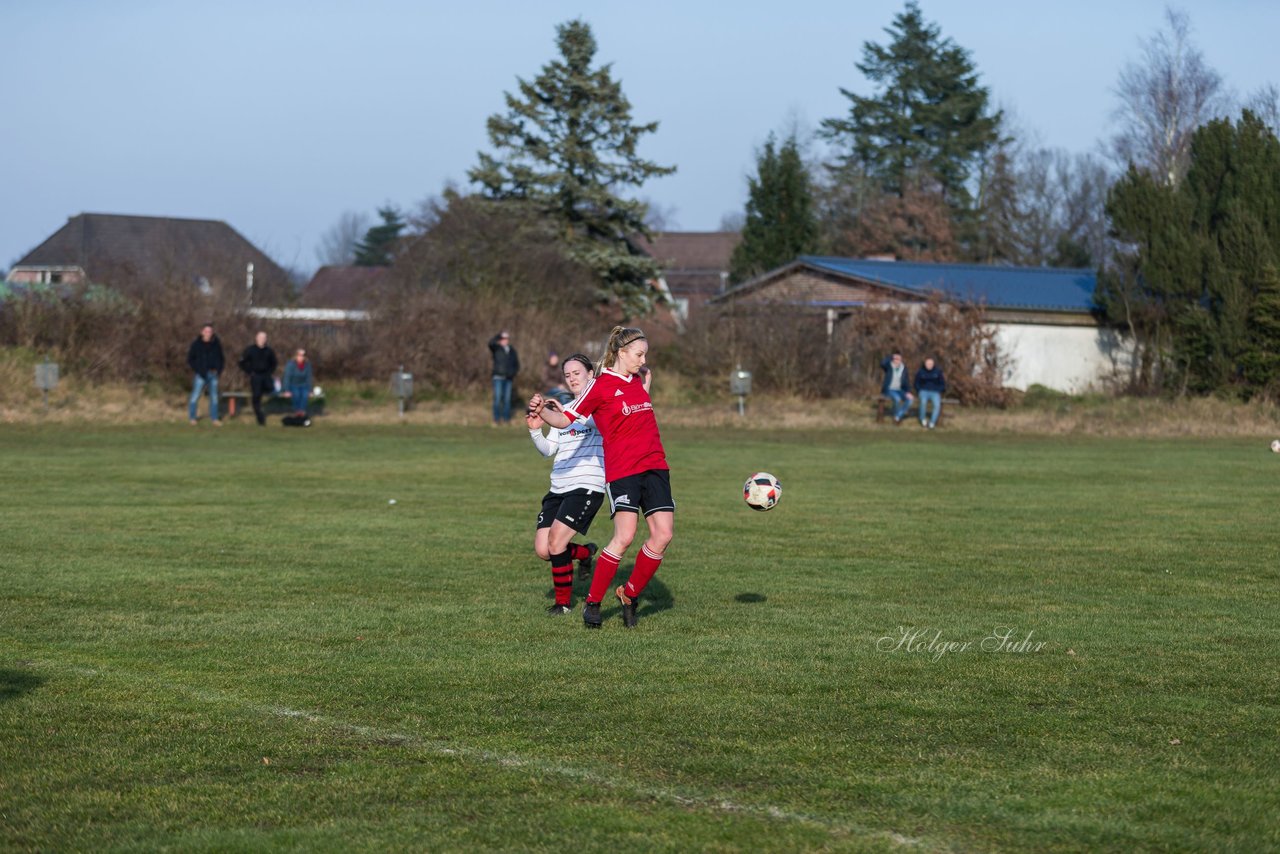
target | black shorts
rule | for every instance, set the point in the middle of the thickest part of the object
(575, 509)
(647, 492)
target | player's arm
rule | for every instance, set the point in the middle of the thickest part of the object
(557, 416)
(550, 411)
(546, 445)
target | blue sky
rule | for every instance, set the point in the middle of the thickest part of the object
(279, 116)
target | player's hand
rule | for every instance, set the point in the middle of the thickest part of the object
(552, 404)
(534, 421)
(535, 403)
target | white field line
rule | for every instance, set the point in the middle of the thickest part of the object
(709, 802)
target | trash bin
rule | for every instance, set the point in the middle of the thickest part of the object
(740, 384)
(402, 387)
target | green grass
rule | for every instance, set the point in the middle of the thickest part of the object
(231, 641)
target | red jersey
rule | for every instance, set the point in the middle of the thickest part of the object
(624, 417)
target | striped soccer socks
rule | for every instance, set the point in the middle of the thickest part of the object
(562, 577)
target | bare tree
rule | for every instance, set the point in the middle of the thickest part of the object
(1265, 104)
(1164, 97)
(338, 244)
(660, 217)
(733, 221)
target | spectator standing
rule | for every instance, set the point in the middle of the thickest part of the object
(206, 361)
(506, 364)
(259, 362)
(897, 385)
(930, 384)
(298, 379)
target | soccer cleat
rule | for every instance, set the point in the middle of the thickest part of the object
(559, 610)
(591, 615)
(628, 608)
(587, 563)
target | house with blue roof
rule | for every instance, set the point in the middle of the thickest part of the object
(1045, 319)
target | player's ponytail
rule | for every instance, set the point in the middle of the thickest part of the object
(620, 337)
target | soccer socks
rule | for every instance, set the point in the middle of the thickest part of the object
(578, 551)
(606, 569)
(562, 577)
(647, 563)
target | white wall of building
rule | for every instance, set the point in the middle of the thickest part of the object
(1072, 359)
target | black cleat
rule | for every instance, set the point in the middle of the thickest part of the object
(559, 610)
(628, 608)
(591, 615)
(588, 563)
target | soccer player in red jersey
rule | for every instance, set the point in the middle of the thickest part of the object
(635, 467)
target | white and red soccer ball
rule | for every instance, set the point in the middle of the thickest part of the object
(762, 491)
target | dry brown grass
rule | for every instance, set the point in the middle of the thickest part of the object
(79, 401)
(75, 403)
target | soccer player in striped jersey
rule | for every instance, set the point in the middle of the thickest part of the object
(577, 489)
(635, 466)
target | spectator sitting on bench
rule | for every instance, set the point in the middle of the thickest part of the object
(897, 385)
(297, 381)
(930, 384)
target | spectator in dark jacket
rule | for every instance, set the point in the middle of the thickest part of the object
(897, 385)
(298, 380)
(259, 362)
(506, 364)
(930, 384)
(204, 357)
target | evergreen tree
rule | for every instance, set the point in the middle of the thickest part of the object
(379, 244)
(1000, 215)
(1142, 289)
(780, 219)
(1260, 364)
(567, 144)
(928, 122)
(1205, 255)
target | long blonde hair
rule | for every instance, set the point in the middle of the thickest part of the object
(620, 337)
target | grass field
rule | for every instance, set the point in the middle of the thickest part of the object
(230, 640)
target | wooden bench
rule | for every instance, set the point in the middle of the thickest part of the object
(272, 404)
(885, 404)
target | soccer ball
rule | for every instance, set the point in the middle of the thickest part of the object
(1275, 446)
(762, 491)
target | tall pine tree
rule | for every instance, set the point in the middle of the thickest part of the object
(780, 218)
(928, 124)
(567, 145)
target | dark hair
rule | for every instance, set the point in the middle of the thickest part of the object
(579, 357)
